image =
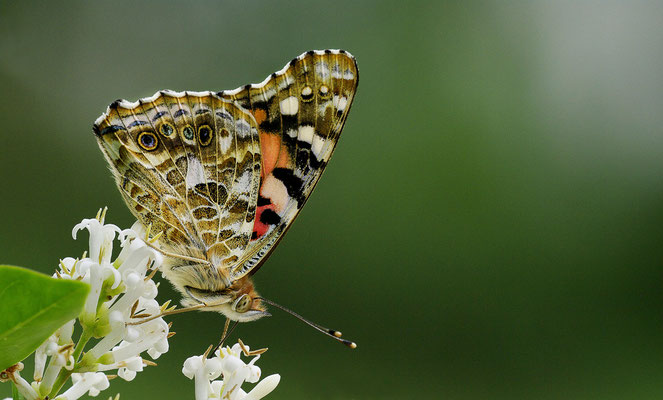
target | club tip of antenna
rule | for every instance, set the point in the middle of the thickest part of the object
(334, 334)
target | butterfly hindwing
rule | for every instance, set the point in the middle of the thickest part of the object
(300, 112)
(188, 164)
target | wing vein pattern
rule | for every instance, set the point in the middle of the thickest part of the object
(223, 175)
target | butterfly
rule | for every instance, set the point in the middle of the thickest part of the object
(222, 175)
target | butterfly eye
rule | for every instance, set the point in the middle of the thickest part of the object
(148, 141)
(242, 304)
(166, 129)
(187, 132)
(204, 135)
(324, 92)
(307, 94)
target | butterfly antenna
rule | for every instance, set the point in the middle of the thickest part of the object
(334, 334)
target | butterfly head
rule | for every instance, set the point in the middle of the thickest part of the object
(239, 302)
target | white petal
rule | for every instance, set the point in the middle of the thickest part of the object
(80, 226)
(217, 386)
(135, 364)
(150, 290)
(264, 387)
(213, 368)
(132, 334)
(191, 365)
(252, 373)
(231, 364)
(126, 374)
(109, 271)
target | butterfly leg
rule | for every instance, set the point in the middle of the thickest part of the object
(225, 332)
(225, 335)
(169, 312)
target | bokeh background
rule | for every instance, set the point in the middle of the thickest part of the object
(490, 226)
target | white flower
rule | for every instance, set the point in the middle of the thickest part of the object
(101, 237)
(235, 372)
(122, 296)
(121, 321)
(90, 382)
(131, 367)
(42, 354)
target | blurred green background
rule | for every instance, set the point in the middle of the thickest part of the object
(489, 228)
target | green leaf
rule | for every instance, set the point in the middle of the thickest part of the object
(32, 307)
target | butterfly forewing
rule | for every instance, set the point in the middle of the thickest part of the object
(300, 112)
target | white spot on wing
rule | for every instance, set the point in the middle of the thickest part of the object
(243, 128)
(322, 70)
(225, 142)
(306, 133)
(336, 71)
(267, 94)
(289, 106)
(195, 173)
(244, 182)
(339, 102)
(235, 227)
(274, 190)
(287, 81)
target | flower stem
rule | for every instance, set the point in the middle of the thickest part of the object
(62, 378)
(82, 341)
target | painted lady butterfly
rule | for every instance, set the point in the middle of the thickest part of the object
(223, 175)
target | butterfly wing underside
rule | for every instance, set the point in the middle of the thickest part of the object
(300, 112)
(188, 165)
(223, 175)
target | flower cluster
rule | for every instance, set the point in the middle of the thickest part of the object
(120, 321)
(122, 294)
(228, 364)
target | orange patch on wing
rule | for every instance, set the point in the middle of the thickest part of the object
(284, 161)
(270, 145)
(260, 115)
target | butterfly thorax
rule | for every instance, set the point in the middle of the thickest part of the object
(207, 282)
(238, 302)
